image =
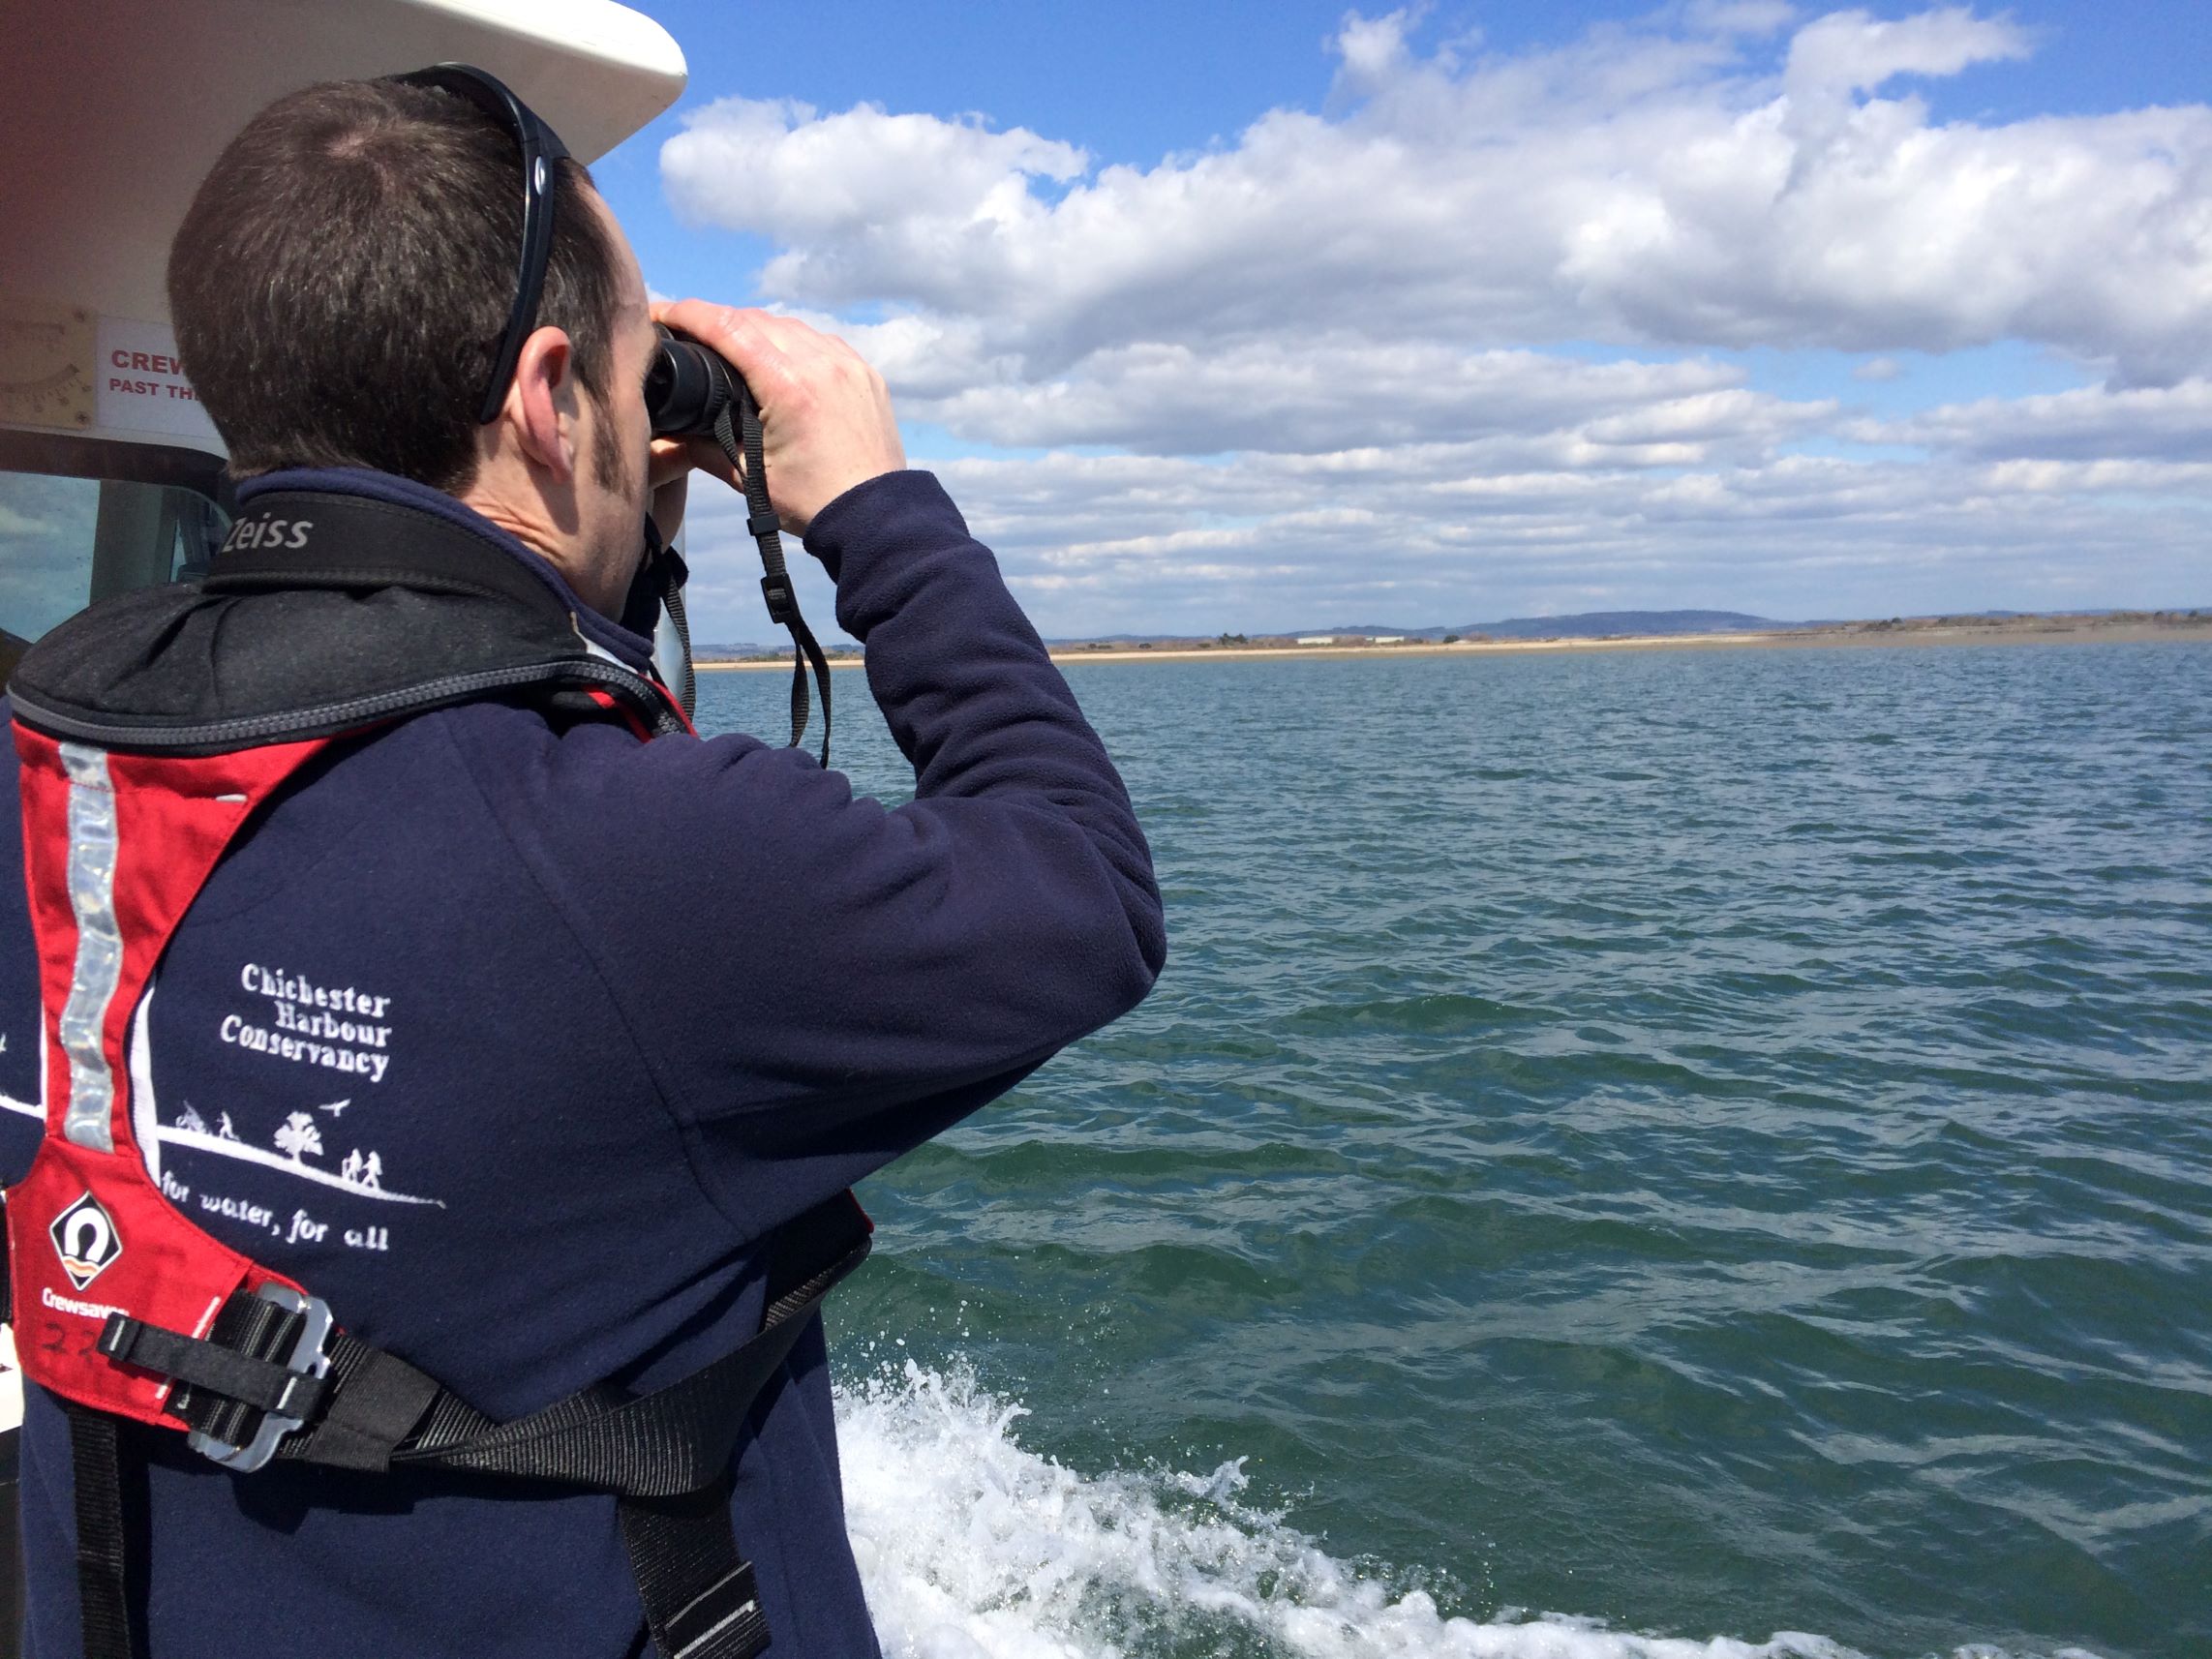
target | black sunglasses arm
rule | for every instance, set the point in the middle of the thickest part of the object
(540, 148)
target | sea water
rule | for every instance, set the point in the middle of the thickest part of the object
(1635, 1155)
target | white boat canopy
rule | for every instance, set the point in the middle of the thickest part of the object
(112, 110)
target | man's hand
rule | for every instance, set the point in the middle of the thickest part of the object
(825, 420)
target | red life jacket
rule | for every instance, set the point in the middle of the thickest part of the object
(115, 849)
(125, 1308)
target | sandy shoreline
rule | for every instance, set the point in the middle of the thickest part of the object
(2041, 631)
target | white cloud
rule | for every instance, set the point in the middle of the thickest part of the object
(1331, 353)
(1635, 187)
(14, 524)
(1853, 52)
(1758, 17)
(1318, 395)
(2172, 423)
(783, 165)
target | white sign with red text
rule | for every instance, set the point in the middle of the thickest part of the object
(140, 383)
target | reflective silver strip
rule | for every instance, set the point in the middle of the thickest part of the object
(98, 947)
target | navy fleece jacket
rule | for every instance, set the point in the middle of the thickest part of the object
(619, 1009)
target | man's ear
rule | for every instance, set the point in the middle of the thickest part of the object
(541, 403)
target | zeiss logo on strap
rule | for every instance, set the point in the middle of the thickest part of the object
(267, 534)
(86, 1238)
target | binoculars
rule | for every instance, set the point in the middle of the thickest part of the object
(688, 389)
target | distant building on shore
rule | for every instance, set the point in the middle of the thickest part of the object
(1316, 639)
(1387, 640)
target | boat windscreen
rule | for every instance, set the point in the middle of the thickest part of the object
(69, 538)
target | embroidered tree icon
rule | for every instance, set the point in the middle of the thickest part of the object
(297, 1136)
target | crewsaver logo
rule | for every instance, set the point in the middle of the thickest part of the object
(84, 1238)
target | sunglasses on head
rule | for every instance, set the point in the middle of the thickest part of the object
(540, 147)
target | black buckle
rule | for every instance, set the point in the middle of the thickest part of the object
(223, 1381)
(781, 605)
(307, 1362)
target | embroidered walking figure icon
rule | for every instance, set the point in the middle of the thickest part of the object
(297, 1136)
(372, 1176)
(350, 1169)
(223, 1128)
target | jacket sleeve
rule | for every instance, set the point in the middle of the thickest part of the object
(820, 984)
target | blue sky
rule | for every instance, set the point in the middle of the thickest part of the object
(1253, 317)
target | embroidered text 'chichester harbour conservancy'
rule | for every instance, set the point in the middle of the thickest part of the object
(333, 1026)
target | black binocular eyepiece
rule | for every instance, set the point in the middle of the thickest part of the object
(689, 387)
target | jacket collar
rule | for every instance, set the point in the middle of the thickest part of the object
(634, 651)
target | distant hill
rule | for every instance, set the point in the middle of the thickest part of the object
(1603, 624)
(1587, 624)
(1370, 629)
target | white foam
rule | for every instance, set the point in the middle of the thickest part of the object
(974, 1548)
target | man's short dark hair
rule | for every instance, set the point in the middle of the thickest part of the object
(341, 281)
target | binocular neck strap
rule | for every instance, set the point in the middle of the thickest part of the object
(775, 586)
(672, 576)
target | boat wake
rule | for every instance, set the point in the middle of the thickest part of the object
(972, 1547)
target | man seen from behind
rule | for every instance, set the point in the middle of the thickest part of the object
(517, 1033)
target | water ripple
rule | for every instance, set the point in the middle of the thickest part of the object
(1705, 1142)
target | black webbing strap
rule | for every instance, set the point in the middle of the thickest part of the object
(661, 1444)
(674, 573)
(96, 1468)
(235, 1369)
(373, 1410)
(665, 1455)
(700, 1598)
(377, 1400)
(766, 528)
